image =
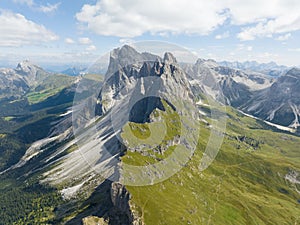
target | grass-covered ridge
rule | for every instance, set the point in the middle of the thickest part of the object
(244, 185)
(159, 137)
(50, 86)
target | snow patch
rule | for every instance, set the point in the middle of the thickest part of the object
(66, 113)
(296, 112)
(71, 192)
(272, 115)
(280, 127)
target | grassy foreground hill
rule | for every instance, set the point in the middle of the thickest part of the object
(248, 182)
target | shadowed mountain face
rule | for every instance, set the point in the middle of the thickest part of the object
(141, 111)
(279, 103)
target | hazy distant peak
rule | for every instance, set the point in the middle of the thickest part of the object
(25, 66)
(28, 69)
(169, 58)
(208, 62)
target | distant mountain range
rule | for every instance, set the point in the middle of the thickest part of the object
(279, 103)
(98, 67)
(74, 71)
(271, 68)
(235, 85)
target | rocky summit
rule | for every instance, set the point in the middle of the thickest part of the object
(16, 82)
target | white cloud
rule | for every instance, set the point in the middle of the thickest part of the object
(126, 41)
(242, 47)
(84, 41)
(27, 2)
(284, 37)
(280, 17)
(69, 41)
(50, 58)
(16, 30)
(91, 48)
(222, 36)
(267, 57)
(294, 49)
(49, 7)
(269, 28)
(249, 48)
(130, 18)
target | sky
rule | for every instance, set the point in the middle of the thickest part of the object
(74, 32)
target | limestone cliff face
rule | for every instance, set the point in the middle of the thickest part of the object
(160, 78)
(127, 55)
(120, 198)
(129, 94)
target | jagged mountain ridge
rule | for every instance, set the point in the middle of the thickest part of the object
(163, 79)
(127, 55)
(231, 86)
(280, 102)
(203, 77)
(16, 82)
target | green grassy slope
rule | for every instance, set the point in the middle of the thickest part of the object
(244, 185)
(50, 86)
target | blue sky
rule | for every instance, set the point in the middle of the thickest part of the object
(61, 32)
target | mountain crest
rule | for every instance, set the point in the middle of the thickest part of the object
(295, 72)
(127, 55)
(26, 66)
(169, 58)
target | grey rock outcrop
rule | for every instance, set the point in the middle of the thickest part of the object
(230, 86)
(279, 103)
(120, 198)
(16, 82)
(127, 55)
